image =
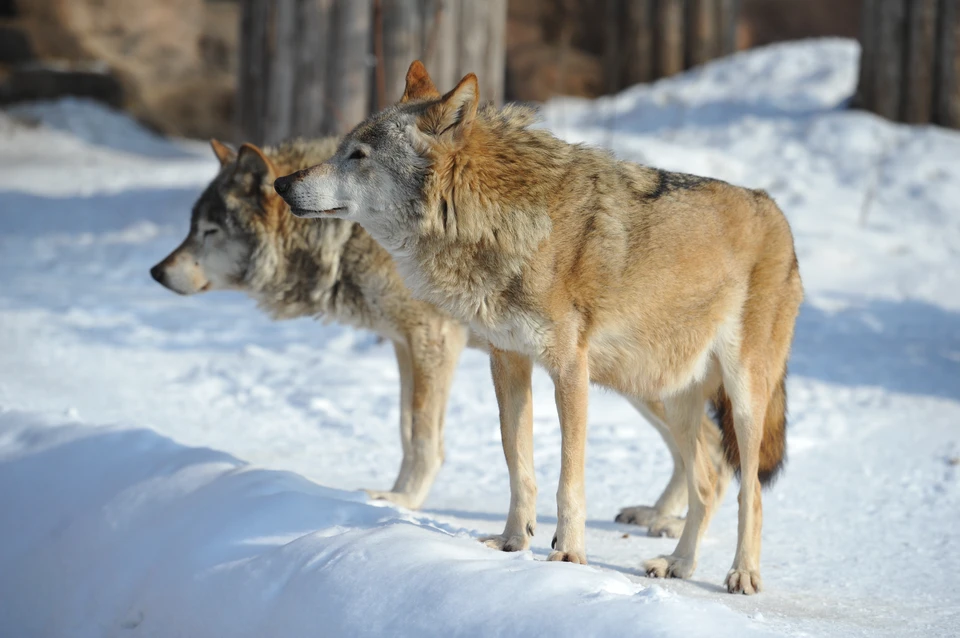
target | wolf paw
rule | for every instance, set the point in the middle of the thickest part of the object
(744, 581)
(568, 557)
(668, 526)
(514, 543)
(669, 567)
(641, 515)
(403, 499)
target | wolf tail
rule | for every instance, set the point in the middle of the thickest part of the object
(773, 445)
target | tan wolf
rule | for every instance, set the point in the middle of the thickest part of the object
(242, 237)
(660, 286)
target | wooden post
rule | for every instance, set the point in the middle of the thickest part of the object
(649, 39)
(889, 58)
(452, 37)
(253, 37)
(727, 13)
(921, 37)
(701, 32)
(910, 61)
(669, 45)
(947, 68)
(303, 68)
(637, 61)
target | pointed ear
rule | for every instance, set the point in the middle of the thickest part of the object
(223, 152)
(458, 108)
(419, 85)
(252, 161)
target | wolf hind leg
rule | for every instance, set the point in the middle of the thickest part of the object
(664, 518)
(427, 364)
(685, 417)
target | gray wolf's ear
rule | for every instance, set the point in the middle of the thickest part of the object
(419, 85)
(458, 108)
(223, 152)
(252, 161)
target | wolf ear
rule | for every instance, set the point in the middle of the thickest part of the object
(252, 161)
(419, 85)
(458, 108)
(223, 152)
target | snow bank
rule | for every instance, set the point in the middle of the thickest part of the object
(111, 531)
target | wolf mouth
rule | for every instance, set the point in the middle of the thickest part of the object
(305, 212)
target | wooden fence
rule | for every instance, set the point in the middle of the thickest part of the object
(318, 67)
(651, 39)
(910, 61)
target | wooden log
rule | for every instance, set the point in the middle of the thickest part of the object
(728, 12)
(669, 46)
(888, 56)
(348, 85)
(701, 32)
(637, 63)
(947, 93)
(281, 73)
(253, 39)
(919, 62)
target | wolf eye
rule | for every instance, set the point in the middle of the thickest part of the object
(357, 154)
(210, 231)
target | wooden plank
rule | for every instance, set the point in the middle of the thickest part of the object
(919, 62)
(251, 98)
(700, 31)
(889, 58)
(402, 43)
(348, 92)
(866, 85)
(281, 76)
(440, 50)
(637, 64)
(669, 43)
(313, 44)
(495, 63)
(728, 15)
(947, 94)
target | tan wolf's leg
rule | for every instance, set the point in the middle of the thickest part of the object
(685, 416)
(665, 517)
(749, 398)
(572, 383)
(427, 366)
(512, 381)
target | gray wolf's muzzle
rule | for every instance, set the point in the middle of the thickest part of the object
(158, 274)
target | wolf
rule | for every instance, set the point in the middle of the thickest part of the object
(660, 286)
(243, 237)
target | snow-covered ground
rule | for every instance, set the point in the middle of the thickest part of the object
(124, 409)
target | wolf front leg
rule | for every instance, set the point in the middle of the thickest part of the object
(512, 374)
(427, 363)
(572, 387)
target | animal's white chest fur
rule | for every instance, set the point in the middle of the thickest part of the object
(516, 331)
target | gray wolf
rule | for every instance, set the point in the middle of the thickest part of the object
(658, 285)
(242, 237)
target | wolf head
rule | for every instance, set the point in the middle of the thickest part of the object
(223, 226)
(380, 168)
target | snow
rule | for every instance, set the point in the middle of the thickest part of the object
(124, 410)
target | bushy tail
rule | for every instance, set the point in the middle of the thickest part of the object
(773, 446)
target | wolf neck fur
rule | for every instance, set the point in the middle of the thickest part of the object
(298, 268)
(481, 219)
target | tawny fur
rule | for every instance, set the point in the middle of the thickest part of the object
(333, 270)
(658, 285)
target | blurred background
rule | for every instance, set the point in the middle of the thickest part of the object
(203, 68)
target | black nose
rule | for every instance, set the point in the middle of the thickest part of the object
(157, 273)
(282, 184)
